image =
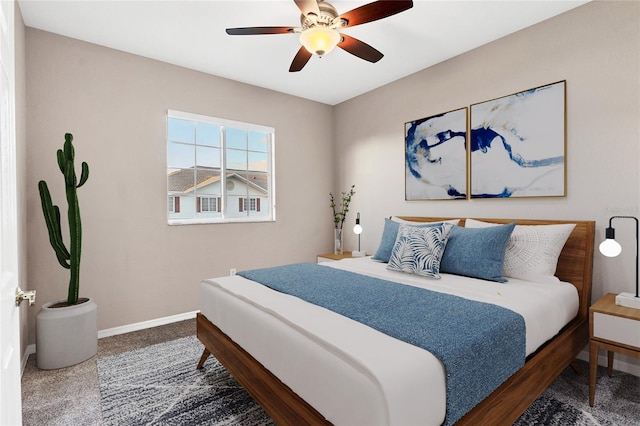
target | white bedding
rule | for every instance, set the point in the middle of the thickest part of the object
(355, 375)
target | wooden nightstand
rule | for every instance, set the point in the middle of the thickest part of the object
(614, 328)
(330, 257)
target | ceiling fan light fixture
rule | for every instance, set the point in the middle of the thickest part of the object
(319, 40)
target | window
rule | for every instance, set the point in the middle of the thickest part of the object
(218, 170)
(208, 204)
(249, 204)
(174, 204)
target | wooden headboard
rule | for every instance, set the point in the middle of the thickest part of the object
(575, 264)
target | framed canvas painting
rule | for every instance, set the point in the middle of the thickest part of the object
(436, 157)
(518, 145)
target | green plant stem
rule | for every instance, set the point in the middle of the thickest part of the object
(68, 258)
(340, 216)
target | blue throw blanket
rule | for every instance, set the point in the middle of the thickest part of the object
(480, 344)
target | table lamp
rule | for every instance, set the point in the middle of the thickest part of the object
(611, 248)
(358, 230)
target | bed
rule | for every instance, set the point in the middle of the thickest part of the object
(239, 336)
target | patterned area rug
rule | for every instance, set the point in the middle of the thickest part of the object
(159, 385)
(566, 401)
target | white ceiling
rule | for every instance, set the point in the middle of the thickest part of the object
(192, 34)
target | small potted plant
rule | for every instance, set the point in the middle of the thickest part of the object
(339, 217)
(66, 330)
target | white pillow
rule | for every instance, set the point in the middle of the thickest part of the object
(533, 250)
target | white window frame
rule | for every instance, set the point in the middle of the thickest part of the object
(210, 202)
(223, 123)
(252, 202)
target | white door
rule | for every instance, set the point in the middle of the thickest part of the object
(10, 395)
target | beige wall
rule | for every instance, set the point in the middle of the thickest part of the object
(134, 265)
(595, 48)
(138, 268)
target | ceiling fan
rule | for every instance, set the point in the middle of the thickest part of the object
(320, 26)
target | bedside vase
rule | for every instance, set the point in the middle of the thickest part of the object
(337, 241)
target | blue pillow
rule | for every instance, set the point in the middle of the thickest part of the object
(388, 240)
(418, 250)
(477, 252)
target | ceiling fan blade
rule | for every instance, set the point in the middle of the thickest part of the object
(301, 59)
(307, 6)
(259, 30)
(374, 11)
(359, 49)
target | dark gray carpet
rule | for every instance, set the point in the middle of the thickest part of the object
(159, 385)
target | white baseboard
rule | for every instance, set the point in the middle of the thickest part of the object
(146, 324)
(31, 349)
(624, 366)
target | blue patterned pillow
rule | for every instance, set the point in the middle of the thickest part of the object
(389, 235)
(418, 250)
(477, 252)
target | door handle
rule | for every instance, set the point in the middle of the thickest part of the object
(25, 295)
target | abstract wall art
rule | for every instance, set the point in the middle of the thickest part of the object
(436, 157)
(517, 144)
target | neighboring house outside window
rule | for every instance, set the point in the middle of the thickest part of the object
(218, 170)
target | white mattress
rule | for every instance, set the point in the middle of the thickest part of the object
(355, 375)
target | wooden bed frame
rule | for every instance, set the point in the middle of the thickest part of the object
(503, 407)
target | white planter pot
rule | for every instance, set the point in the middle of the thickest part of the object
(67, 335)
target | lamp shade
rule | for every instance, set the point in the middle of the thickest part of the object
(610, 248)
(319, 40)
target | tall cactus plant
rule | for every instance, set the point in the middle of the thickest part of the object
(68, 258)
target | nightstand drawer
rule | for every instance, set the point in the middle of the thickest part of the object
(617, 329)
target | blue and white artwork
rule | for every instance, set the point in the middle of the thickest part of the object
(518, 144)
(436, 157)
